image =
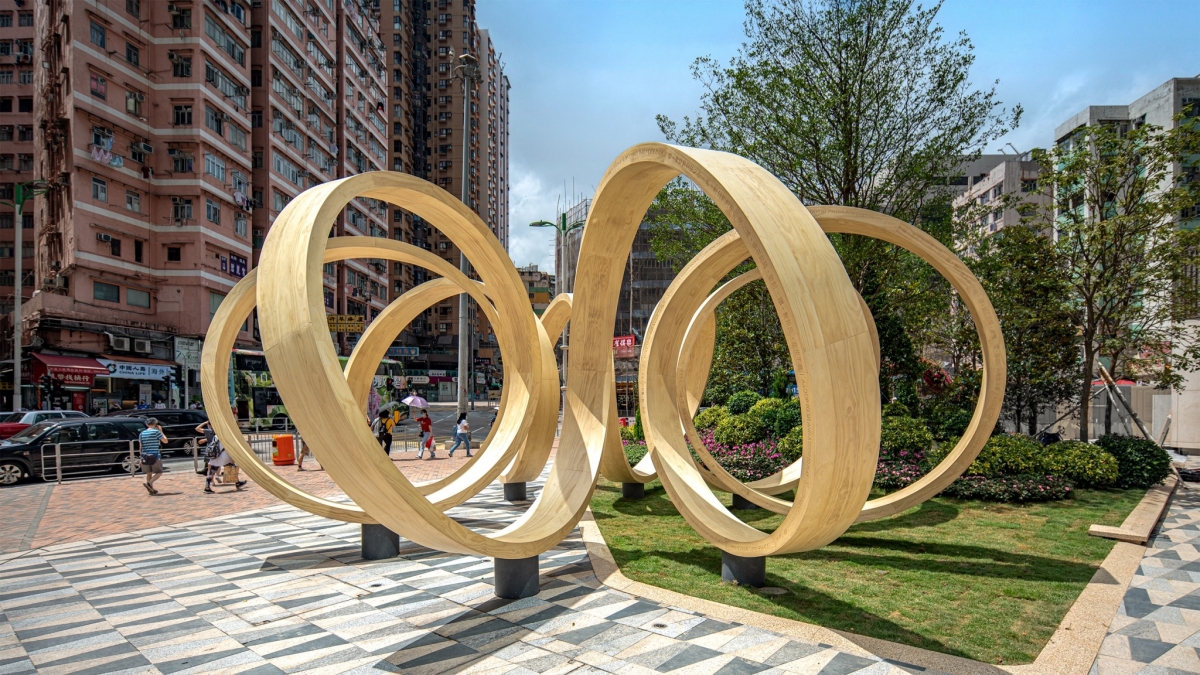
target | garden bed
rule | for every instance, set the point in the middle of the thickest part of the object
(979, 580)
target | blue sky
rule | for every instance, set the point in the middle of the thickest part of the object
(588, 76)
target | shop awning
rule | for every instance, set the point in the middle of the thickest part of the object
(74, 371)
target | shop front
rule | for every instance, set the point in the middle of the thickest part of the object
(134, 383)
(63, 382)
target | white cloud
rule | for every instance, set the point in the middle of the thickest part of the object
(531, 200)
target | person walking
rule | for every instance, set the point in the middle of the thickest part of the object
(462, 434)
(217, 456)
(152, 438)
(426, 435)
(386, 424)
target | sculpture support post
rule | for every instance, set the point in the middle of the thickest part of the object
(516, 579)
(515, 492)
(378, 542)
(633, 490)
(745, 571)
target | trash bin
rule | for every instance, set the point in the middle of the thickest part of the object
(283, 450)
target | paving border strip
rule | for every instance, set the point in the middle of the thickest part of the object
(27, 540)
(1071, 650)
(1140, 523)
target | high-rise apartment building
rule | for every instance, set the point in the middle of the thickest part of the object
(173, 134)
(431, 139)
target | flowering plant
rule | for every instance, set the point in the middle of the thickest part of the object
(748, 461)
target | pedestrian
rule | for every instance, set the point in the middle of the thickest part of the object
(386, 424)
(217, 456)
(462, 434)
(152, 438)
(304, 452)
(426, 435)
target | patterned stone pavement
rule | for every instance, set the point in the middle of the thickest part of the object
(1157, 629)
(279, 590)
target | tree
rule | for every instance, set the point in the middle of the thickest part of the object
(860, 103)
(1117, 202)
(1030, 292)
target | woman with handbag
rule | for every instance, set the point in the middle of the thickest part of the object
(218, 459)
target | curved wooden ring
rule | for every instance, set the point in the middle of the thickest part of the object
(830, 346)
(304, 366)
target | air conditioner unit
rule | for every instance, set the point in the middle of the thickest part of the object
(173, 57)
(139, 96)
(120, 344)
(172, 151)
(176, 200)
(172, 9)
(223, 116)
(58, 282)
(103, 236)
(144, 147)
(142, 346)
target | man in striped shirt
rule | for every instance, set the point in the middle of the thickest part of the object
(152, 438)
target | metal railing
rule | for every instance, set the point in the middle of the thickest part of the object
(82, 461)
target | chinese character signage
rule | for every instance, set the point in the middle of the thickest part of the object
(237, 266)
(625, 346)
(137, 371)
(396, 352)
(346, 323)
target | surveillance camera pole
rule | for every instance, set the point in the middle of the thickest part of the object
(22, 192)
(467, 71)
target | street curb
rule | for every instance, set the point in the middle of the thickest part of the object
(1141, 522)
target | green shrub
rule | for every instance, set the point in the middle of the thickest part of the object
(1140, 462)
(1010, 488)
(740, 430)
(787, 418)
(741, 402)
(948, 421)
(1009, 455)
(628, 434)
(638, 433)
(896, 410)
(766, 410)
(634, 452)
(791, 445)
(710, 417)
(904, 439)
(1083, 464)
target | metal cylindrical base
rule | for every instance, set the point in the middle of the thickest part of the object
(379, 543)
(745, 571)
(515, 492)
(516, 579)
(633, 490)
(740, 503)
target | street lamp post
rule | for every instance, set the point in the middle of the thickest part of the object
(467, 72)
(22, 192)
(561, 228)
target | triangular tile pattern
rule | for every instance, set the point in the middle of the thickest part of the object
(1157, 628)
(279, 590)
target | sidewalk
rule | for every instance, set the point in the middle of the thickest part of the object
(41, 514)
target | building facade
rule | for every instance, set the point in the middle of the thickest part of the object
(986, 191)
(1158, 107)
(172, 135)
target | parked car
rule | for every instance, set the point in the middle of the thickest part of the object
(88, 445)
(19, 421)
(178, 425)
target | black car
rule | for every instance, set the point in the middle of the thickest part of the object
(88, 445)
(178, 425)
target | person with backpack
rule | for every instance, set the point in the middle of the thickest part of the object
(217, 456)
(384, 426)
(462, 434)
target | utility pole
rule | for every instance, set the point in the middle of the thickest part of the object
(467, 72)
(22, 192)
(561, 228)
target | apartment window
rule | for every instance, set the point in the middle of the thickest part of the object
(6, 132)
(106, 292)
(25, 105)
(256, 119)
(6, 22)
(133, 103)
(256, 38)
(25, 133)
(212, 211)
(181, 66)
(6, 221)
(137, 155)
(6, 162)
(174, 254)
(214, 303)
(280, 200)
(6, 77)
(114, 247)
(181, 210)
(239, 180)
(100, 190)
(237, 137)
(214, 166)
(137, 251)
(133, 8)
(257, 158)
(212, 120)
(256, 77)
(99, 35)
(182, 164)
(182, 18)
(25, 18)
(136, 298)
(258, 199)
(133, 201)
(7, 251)
(131, 54)
(6, 190)
(6, 48)
(239, 225)
(27, 224)
(24, 162)
(5, 104)
(183, 115)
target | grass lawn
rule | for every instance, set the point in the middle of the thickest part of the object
(975, 579)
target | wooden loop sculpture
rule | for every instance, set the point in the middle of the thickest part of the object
(830, 338)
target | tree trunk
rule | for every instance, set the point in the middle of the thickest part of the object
(1085, 393)
(1033, 418)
